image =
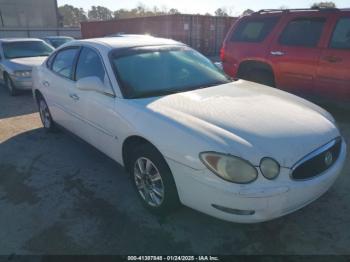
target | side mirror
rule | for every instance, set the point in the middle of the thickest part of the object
(91, 83)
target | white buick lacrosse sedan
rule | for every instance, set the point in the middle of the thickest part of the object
(186, 132)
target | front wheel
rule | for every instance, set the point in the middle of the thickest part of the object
(10, 86)
(153, 180)
(45, 115)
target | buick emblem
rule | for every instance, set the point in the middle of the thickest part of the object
(328, 158)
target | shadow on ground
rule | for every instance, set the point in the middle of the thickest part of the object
(21, 104)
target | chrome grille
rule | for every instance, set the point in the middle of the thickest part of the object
(317, 161)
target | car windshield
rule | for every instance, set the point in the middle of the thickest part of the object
(56, 42)
(26, 49)
(150, 71)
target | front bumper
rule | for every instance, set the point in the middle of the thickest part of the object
(22, 83)
(230, 68)
(201, 189)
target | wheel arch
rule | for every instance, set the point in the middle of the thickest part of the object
(247, 65)
(257, 71)
(37, 94)
(129, 143)
(4, 73)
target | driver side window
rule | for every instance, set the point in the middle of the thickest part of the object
(90, 64)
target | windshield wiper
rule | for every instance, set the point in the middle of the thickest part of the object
(158, 93)
(174, 91)
(208, 85)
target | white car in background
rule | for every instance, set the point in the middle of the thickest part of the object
(57, 41)
(187, 133)
(17, 58)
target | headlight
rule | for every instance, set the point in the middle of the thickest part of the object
(26, 73)
(230, 168)
(269, 168)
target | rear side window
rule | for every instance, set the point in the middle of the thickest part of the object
(341, 34)
(254, 30)
(64, 62)
(305, 32)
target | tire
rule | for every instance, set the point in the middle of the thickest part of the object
(153, 180)
(45, 115)
(10, 86)
(263, 77)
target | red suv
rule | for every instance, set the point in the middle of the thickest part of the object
(306, 52)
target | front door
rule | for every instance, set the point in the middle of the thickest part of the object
(98, 107)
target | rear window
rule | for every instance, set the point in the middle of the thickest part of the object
(254, 30)
(304, 32)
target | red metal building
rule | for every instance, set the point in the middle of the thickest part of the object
(204, 33)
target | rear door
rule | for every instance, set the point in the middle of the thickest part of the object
(58, 84)
(295, 52)
(249, 40)
(333, 73)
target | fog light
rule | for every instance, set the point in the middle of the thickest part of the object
(269, 168)
(234, 211)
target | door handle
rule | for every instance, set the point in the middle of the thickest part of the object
(277, 53)
(75, 97)
(332, 59)
(45, 83)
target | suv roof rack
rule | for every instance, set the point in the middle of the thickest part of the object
(262, 11)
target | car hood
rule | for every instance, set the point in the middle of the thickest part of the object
(26, 63)
(251, 120)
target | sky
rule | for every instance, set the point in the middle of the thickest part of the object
(235, 7)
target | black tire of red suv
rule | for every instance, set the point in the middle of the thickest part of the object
(260, 76)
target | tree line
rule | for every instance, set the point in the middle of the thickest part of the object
(72, 16)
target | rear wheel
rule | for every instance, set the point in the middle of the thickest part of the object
(45, 114)
(10, 86)
(153, 180)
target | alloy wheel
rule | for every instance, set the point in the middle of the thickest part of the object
(149, 182)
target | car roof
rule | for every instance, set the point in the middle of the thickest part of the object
(128, 41)
(9, 40)
(301, 11)
(128, 35)
(57, 37)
